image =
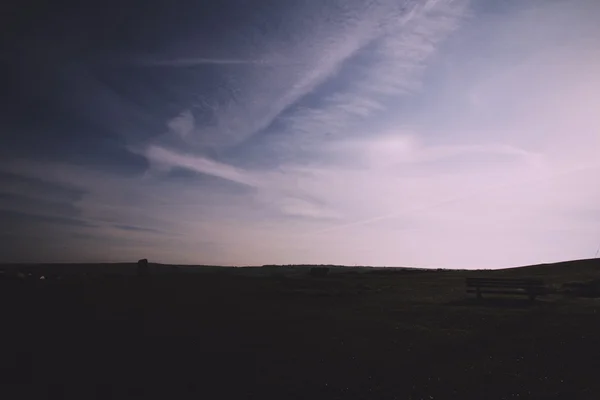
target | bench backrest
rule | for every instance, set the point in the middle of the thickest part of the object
(504, 283)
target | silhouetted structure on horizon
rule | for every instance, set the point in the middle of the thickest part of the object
(142, 267)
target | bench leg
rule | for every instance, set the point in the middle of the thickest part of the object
(478, 294)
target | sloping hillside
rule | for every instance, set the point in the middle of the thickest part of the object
(560, 272)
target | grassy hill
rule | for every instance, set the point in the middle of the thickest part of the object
(276, 332)
(559, 272)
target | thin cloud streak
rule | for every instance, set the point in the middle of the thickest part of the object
(191, 62)
(478, 192)
(199, 164)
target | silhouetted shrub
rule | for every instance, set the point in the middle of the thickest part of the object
(397, 271)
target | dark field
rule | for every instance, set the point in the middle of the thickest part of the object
(278, 333)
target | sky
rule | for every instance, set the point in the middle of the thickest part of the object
(430, 133)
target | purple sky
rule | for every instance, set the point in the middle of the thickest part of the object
(439, 133)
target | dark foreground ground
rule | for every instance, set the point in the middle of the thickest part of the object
(407, 335)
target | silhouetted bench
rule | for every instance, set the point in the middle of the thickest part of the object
(527, 287)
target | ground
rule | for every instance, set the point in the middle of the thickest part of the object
(356, 334)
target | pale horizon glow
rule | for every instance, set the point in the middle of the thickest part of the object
(443, 134)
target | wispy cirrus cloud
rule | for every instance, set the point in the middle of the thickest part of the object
(396, 59)
(191, 62)
(430, 133)
(335, 37)
(170, 159)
